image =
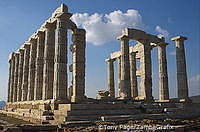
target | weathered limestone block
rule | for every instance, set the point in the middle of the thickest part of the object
(182, 82)
(15, 88)
(49, 52)
(20, 73)
(78, 64)
(25, 71)
(125, 68)
(134, 90)
(39, 66)
(31, 76)
(60, 65)
(163, 76)
(110, 72)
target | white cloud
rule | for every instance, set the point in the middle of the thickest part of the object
(163, 32)
(195, 79)
(102, 28)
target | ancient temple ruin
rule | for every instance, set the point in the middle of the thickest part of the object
(38, 74)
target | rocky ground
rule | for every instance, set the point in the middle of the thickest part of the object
(137, 125)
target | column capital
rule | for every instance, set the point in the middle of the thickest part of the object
(179, 38)
(110, 60)
(40, 34)
(26, 45)
(162, 44)
(50, 26)
(79, 31)
(33, 40)
(123, 37)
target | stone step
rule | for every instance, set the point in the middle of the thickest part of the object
(103, 112)
(101, 106)
(83, 118)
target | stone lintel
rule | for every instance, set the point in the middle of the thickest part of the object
(177, 38)
(122, 37)
(63, 16)
(117, 54)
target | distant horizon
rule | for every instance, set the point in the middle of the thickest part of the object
(103, 22)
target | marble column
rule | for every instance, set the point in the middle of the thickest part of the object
(20, 73)
(78, 64)
(146, 70)
(125, 68)
(31, 76)
(10, 81)
(111, 82)
(25, 71)
(182, 82)
(134, 90)
(119, 76)
(15, 88)
(49, 52)
(60, 65)
(163, 76)
(39, 66)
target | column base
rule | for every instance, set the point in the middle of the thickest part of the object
(78, 99)
(185, 100)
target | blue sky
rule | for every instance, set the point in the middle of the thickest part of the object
(20, 18)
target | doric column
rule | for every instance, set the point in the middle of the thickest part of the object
(60, 65)
(39, 66)
(20, 73)
(49, 52)
(15, 88)
(111, 83)
(146, 70)
(119, 76)
(182, 82)
(31, 76)
(163, 76)
(10, 80)
(125, 68)
(78, 65)
(134, 90)
(25, 71)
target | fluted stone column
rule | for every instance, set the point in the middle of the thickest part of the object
(119, 76)
(39, 66)
(111, 83)
(134, 90)
(163, 76)
(146, 71)
(182, 82)
(15, 88)
(31, 77)
(25, 71)
(49, 52)
(125, 68)
(10, 78)
(20, 73)
(60, 65)
(78, 64)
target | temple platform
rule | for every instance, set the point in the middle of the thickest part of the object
(45, 113)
